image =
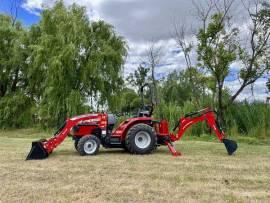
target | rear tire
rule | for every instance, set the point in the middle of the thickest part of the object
(88, 145)
(141, 139)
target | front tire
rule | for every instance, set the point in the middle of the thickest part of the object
(141, 139)
(88, 145)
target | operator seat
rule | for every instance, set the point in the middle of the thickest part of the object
(111, 121)
(146, 111)
(144, 114)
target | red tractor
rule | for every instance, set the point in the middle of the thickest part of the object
(138, 135)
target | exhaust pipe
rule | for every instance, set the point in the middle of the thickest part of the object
(37, 151)
(231, 146)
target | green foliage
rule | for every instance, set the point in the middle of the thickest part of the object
(127, 101)
(177, 87)
(250, 119)
(217, 49)
(173, 112)
(77, 59)
(12, 56)
(139, 77)
(16, 111)
(241, 119)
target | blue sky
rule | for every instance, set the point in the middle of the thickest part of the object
(140, 22)
(24, 16)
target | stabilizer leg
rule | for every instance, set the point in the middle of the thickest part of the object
(172, 149)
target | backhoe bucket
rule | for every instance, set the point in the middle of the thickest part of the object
(37, 151)
(230, 145)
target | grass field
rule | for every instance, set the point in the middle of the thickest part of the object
(204, 173)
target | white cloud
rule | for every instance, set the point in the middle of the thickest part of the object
(92, 6)
(32, 6)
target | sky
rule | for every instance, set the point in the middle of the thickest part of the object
(141, 23)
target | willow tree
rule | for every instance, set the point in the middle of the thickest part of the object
(13, 54)
(73, 59)
(14, 104)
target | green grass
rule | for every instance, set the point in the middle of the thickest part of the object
(33, 133)
(205, 173)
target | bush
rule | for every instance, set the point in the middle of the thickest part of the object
(16, 111)
(173, 112)
(250, 119)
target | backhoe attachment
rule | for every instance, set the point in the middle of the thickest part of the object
(211, 118)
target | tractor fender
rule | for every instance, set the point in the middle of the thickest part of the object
(123, 128)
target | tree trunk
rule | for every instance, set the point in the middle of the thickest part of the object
(220, 102)
(154, 86)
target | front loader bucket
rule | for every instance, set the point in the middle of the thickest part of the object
(37, 151)
(230, 145)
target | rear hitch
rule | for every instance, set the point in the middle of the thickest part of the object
(230, 145)
(37, 151)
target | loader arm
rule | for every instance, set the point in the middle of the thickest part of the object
(188, 120)
(42, 148)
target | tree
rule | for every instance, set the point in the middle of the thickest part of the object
(14, 5)
(256, 57)
(218, 47)
(176, 88)
(129, 101)
(152, 60)
(12, 56)
(268, 85)
(180, 36)
(72, 60)
(15, 105)
(139, 77)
